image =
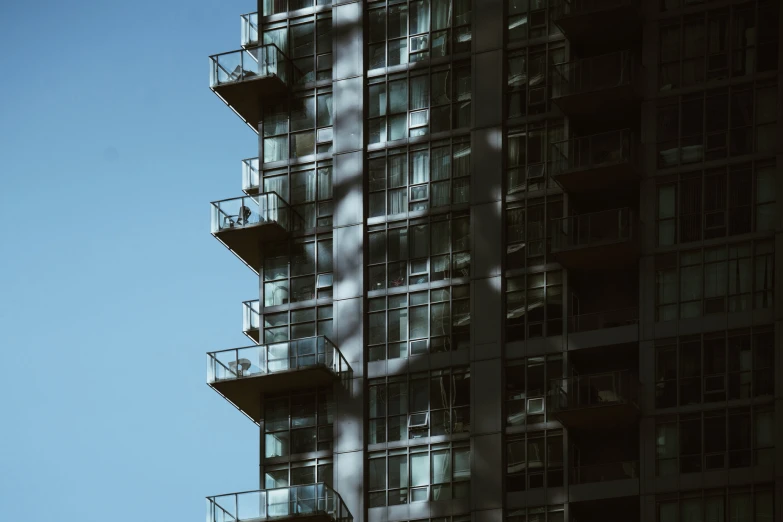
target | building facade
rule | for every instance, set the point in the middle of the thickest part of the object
(516, 258)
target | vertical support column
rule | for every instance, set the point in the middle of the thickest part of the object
(348, 183)
(487, 470)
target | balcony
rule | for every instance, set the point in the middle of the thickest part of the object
(595, 163)
(598, 401)
(249, 30)
(606, 239)
(604, 87)
(251, 320)
(245, 224)
(605, 472)
(613, 20)
(243, 78)
(602, 320)
(313, 503)
(244, 375)
(251, 176)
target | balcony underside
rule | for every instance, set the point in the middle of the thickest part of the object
(622, 254)
(597, 178)
(247, 242)
(254, 334)
(613, 26)
(612, 104)
(599, 418)
(611, 489)
(245, 96)
(247, 394)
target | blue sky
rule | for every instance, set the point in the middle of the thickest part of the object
(111, 288)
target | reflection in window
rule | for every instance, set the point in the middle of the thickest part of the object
(534, 305)
(307, 41)
(298, 270)
(714, 367)
(529, 72)
(297, 474)
(420, 177)
(419, 474)
(530, 19)
(298, 127)
(716, 439)
(422, 103)
(298, 324)
(716, 203)
(414, 30)
(715, 124)
(298, 423)
(310, 190)
(529, 232)
(527, 155)
(426, 250)
(730, 278)
(528, 391)
(418, 323)
(427, 404)
(719, 44)
(534, 460)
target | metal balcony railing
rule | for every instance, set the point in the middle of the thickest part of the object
(251, 63)
(628, 469)
(606, 319)
(254, 361)
(249, 29)
(251, 175)
(567, 8)
(593, 74)
(251, 315)
(250, 211)
(596, 150)
(294, 501)
(594, 229)
(595, 390)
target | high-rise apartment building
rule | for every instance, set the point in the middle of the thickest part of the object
(516, 258)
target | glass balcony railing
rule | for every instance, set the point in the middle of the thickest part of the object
(251, 211)
(251, 175)
(251, 63)
(254, 361)
(592, 74)
(595, 390)
(567, 8)
(594, 151)
(251, 316)
(294, 501)
(604, 472)
(249, 29)
(594, 229)
(606, 319)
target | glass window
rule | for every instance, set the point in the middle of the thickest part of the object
(418, 323)
(419, 474)
(422, 103)
(298, 423)
(420, 177)
(406, 31)
(527, 392)
(534, 305)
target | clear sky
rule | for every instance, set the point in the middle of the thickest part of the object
(111, 288)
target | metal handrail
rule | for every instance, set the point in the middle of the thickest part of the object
(289, 501)
(248, 211)
(250, 63)
(594, 150)
(594, 390)
(593, 229)
(249, 28)
(593, 74)
(604, 319)
(251, 318)
(256, 360)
